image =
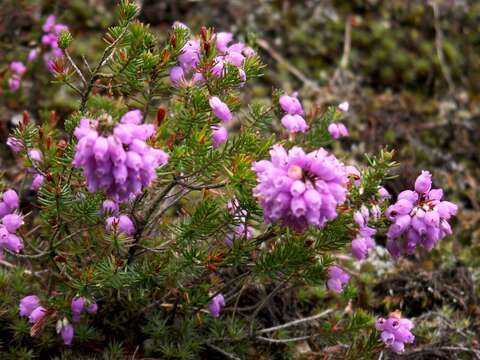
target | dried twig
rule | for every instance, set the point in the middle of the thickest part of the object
(292, 69)
(223, 352)
(77, 70)
(283, 341)
(439, 46)
(295, 322)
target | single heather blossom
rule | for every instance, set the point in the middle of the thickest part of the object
(35, 154)
(110, 207)
(14, 84)
(423, 184)
(77, 306)
(395, 331)
(291, 105)
(220, 109)
(18, 68)
(10, 199)
(177, 75)
(122, 223)
(9, 241)
(14, 144)
(37, 182)
(12, 222)
(344, 106)
(37, 314)
(383, 194)
(92, 308)
(32, 55)
(67, 332)
(419, 217)
(216, 305)
(219, 135)
(222, 40)
(294, 123)
(337, 278)
(28, 304)
(300, 189)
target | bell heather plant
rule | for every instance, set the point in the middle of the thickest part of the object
(159, 206)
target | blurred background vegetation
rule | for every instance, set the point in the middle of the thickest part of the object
(411, 72)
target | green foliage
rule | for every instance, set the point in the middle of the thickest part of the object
(153, 287)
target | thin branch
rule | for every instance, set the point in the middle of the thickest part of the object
(223, 352)
(106, 54)
(295, 322)
(439, 46)
(87, 65)
(77, 70)
(201, 187)
(140, 226)
(283, 341)
(347, 44)
(26, 272)
(73, 87)
(292, 69)
(265, 301)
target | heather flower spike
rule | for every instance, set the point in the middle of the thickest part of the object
(395, 331)
(419, 217)
(122, 163)
(300, 189)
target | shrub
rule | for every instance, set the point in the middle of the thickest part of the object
(166, 221)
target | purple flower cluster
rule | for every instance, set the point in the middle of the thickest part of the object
(216, 304)
(227, 53)
(78, 305)
(419, 217)
(338, 130)
(292, 120)
(52, 31)
(300, 189)
(337, 278)
(30, 307)
(10, 222)
(18, 70)
(364, 241)
(395, 331)
(121, 164)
